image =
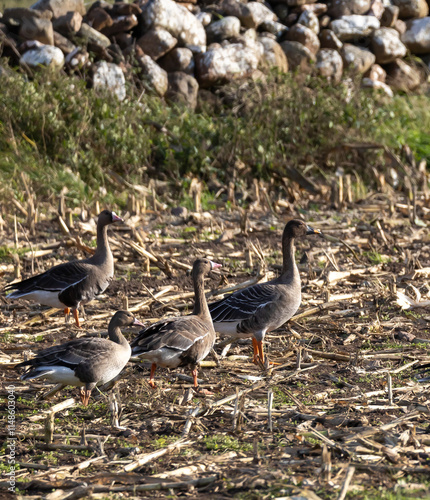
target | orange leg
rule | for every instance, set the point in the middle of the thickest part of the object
(151, 375)
(76, 316)
(82, 395)
(87, 395)
(194, 374)
(196, 385)
(255, 348)
(260, 350)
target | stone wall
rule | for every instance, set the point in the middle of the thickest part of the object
(176, 48)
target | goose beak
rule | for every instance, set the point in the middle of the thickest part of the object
(311, 230)
(214, 265)
(116, 218)
(137, 322)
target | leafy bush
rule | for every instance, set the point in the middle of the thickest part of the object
(63, 134)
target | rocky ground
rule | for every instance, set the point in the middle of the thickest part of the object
(341, 411)
(182, 50)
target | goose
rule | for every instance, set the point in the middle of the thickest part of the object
(261, 308)
(84, 362)
(70, 284)
(180, 341)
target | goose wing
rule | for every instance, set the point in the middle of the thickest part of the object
(174, 333)
(243, 303)
(55, 279)
(71, 354)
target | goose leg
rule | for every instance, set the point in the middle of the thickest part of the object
(87, 396)
(255, 348)
(82, 395)
(76, 316)
(260, 350)
(151, 375)
(196, 385)
(67, 313)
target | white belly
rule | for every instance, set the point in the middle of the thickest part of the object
(44, 297)
(61, 375)
(228, 328)
(164, 357)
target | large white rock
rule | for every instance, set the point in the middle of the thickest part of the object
(417, 36)
(258, 14)
(43, 55)
(110, 77)
(273, 56)
(412, 8)
(386, 45)
(178, 21)
(329, 64)
(156, 76)
(350, 27)
(226, 27)
(60, 7)
(310, 20)
(222, 64)
(357, 59)
(339, 8)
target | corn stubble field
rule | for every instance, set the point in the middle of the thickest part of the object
(341, 413)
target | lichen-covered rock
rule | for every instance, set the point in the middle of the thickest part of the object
(376, 73)
(69, 24)
(354, 26)
(402, 76)
(412, 8)
(15, 15)
(120, 25)
(339, 8)
(225, 28)
(390, 16)
(155, 76)
(60, 7)
(63, 43)
(357, 59)
(251, 14)
(204, 17)
(98, 18)
(258, 14)
(183, 88)
(93, 36)
(109, 77)
(400, 26)
(417, 36)
(222, 64)
(377, 8)
(178, 21)
(329, 64)
(157, 42)
(329, 40)
(273, 55)
(43, 55)
(309, 19)
(386, 45)
(178, 59)
(367, 83)
(299, 33)
(274, 27)
(299, 57)
(77, 59)
(34, 28)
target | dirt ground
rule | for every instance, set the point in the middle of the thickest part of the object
(340, 413)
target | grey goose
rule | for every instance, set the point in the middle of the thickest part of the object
(180, 341)
(70, 284)
(261, 308)
(84, 362)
